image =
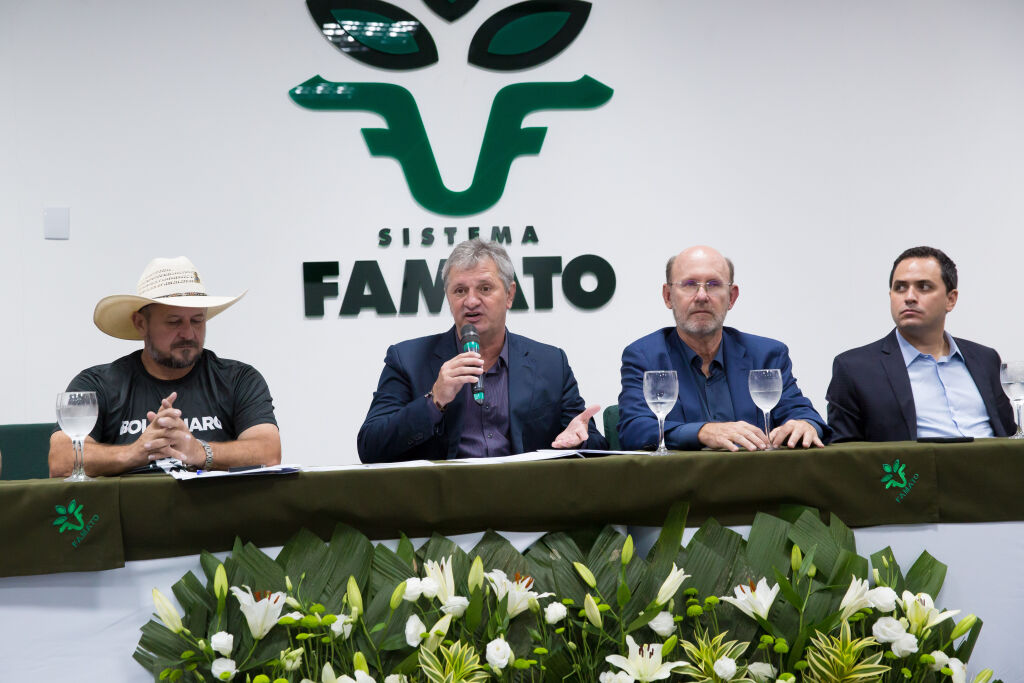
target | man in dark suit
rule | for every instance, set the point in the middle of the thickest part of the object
(423, 408)
(712, 364)
(918, 381)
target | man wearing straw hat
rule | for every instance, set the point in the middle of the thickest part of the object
(172, 398)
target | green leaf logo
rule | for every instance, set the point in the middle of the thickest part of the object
(374, 32)
(70, 517)
(450, 10)
(527, 34)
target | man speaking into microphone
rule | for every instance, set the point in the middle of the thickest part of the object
(477, 390)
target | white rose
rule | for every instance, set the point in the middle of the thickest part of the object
(617, 677)
(396, 678)
(222, 642)
(499, 654)
(414, 630)
(959, 670)
(413, 589)
(223, 669)
(882, 598)
(905, 645)
(663, 624)
(455, 606)
(941, 660)
(428, 587)
(725, 668)
(762, 671)
(888, 630)
(554, 612)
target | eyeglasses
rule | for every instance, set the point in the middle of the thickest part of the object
(712, 287)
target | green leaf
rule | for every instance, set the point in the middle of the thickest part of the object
(767, 544)
(788, 592)
(407, 553)
(666, 548)
(622, 594)
(848, 564)
(808, 532)
(926, 575)
(60, 509)
(893, 570)
(842, 534)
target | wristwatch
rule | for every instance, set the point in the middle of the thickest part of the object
(209, 454)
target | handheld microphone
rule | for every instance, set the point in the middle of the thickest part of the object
(471, 342)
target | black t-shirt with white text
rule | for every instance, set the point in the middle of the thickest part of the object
(218, 399)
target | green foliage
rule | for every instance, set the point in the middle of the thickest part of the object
(805, 633)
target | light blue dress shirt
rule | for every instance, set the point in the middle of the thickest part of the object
(946, 398)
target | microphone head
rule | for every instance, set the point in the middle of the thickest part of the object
(469, 334)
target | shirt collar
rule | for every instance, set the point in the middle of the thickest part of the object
(910, 353)
(689, 354)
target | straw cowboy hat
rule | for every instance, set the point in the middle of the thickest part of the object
(170, 281)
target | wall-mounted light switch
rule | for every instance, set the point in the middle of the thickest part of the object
(57, 223)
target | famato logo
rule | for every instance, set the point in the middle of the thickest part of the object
(895, 477)
(382, 35)
(70, 519)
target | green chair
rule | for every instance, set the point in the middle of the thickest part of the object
(611, 426)
(24, 450)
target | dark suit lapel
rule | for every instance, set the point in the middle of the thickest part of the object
(975, 368)
(737, 373)
(522, 377)
(896, 372)
(447, 347)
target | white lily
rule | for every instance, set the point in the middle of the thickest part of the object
(856, 598)
(437, 632)
(518, 591)
(166, 611)
(441, 573)
(959, 670)
(921, 612)
(671, 584)
(361, 677)
(751, 600)
(643, 662)
(261, 615)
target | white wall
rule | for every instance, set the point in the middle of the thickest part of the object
(809, 140)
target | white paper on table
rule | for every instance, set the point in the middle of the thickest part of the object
(369, 466)
(256, 471)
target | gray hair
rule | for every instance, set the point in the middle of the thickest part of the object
(672, 262)
(470, 253)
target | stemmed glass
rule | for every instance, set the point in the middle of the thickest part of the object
(766, 390)
(76, 415)
(1011, 376)
(661, 388)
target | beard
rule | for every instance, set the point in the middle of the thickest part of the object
(701, 327)
(169, 360)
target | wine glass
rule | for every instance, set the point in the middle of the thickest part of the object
(1011, 376)
(766, 390)
(76, 415)
(661, 388)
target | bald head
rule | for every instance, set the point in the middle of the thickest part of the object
(702, 257)
(700, 291)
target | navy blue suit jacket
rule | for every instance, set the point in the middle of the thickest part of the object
(542, 394)
(638, 427)
(870, 399)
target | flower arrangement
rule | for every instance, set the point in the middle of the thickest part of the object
(803, 607)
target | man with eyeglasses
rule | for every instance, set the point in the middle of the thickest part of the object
(918, 381)
(712, 363)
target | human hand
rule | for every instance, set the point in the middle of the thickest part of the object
(465, 368)
(796, 434)
(168, 436)
(577, 431)
(732, 436)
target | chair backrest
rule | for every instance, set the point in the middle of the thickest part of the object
(24, 450)
(611, 426)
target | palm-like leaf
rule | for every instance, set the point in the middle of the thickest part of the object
(842, 660)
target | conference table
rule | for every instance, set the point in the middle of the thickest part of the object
(68, 550)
